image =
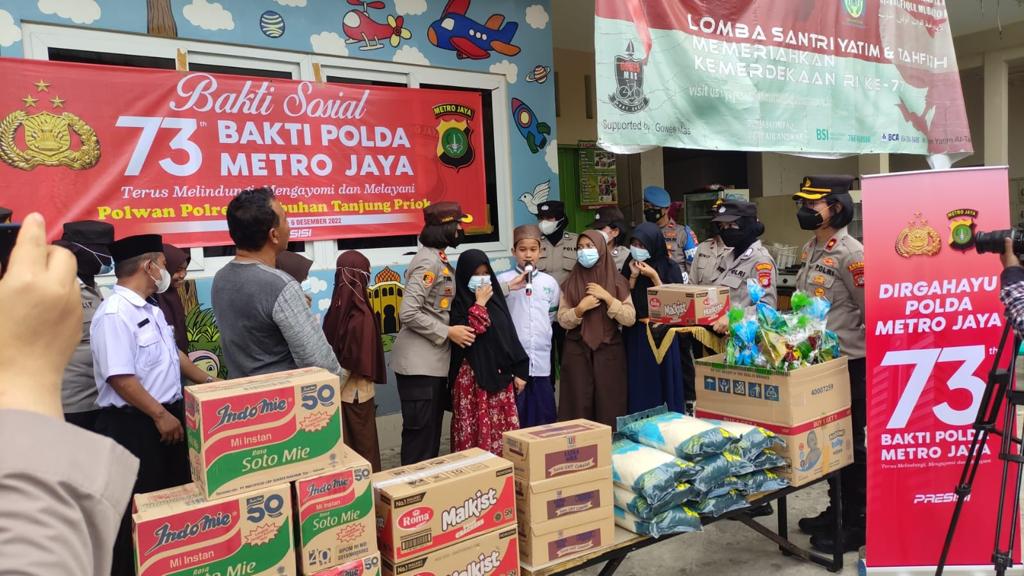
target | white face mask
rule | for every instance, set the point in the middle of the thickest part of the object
(548, 227)
(164, 282)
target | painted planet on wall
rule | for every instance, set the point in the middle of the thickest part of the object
(539, 74)
(272, 24)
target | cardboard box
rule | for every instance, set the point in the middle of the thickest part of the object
(567, 538)
(262, 431)
(431, 505)
(249, 534)
(491, 554)
(559, 449)
(812, 449)
(368, 566)
(686, 305)
(563, 497)
(335, 515)
(773, 397)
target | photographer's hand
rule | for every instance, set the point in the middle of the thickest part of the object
(1008, 257)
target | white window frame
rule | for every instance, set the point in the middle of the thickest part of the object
(38, 39)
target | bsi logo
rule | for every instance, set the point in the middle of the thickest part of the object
(629, 82)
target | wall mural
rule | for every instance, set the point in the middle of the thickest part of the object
(507, 37)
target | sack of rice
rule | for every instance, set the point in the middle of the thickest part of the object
(650, 473)
(762, 481)
(767, 460)
(715, 469)
(728, 484)
(719, 505)
(674, 521)
(642, 508)
(753, 439)
(685, 436)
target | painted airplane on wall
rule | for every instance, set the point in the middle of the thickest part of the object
(470, 39)
(359, 26)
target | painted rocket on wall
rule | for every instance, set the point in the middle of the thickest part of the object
(470, 39)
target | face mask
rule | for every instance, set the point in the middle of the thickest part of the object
(475, 282)
(164, 282)
(809, 218)
(548, 227)
(587, 257)
(460, 237)
(354, 278)
(733, 237)
(653, 215)
(105, 260)
(640, 254)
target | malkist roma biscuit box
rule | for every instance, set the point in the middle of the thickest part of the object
(368, 566)
(261, 431)
(493, 554)
(181, 535)
(428, 506)
(335, 515)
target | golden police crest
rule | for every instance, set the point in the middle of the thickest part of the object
(918, 239)
(47, 137)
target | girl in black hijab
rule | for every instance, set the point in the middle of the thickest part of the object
(487, 374)
(651, 383)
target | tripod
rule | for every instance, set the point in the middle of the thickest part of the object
(1000, 399)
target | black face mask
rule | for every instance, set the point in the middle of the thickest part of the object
(653, 215)
(460, 237)
(809, 218)
(733, 237)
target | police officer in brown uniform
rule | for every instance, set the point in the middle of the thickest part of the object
(833, 268)
(421, 353)
(612, 223)
(557, 258)
(708, 254)
(746, 258)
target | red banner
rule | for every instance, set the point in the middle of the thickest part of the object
(159, 151)
(934, 321)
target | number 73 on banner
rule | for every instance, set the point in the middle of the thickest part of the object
(150, 126)
(924, 361)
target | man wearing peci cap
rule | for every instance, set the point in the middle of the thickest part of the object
(832, 266)
(746, 259)
(90, 242)
(138, 370)
(421, 353)
(709, 252)
(612, 223)
(680, 239)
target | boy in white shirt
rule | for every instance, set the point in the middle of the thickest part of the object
(533, 309)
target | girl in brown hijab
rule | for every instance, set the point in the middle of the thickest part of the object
(170, 300)
(595, 302)
(352, 330)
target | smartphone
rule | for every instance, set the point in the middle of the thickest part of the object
(8, 234)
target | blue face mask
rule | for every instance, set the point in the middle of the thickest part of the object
(587, 257)
(476, 282)
(640, 254)
(105, 260)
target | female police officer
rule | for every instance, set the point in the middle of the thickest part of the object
(833, 268)
(746, 259)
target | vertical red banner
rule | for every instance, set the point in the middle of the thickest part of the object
(934, 321)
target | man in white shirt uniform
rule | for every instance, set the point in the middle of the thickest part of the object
(138, 371)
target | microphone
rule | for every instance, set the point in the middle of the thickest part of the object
(529, 279)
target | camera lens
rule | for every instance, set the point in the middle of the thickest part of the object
(992, 242)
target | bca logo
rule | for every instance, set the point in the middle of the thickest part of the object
(855, 8)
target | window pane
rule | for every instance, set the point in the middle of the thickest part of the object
(110, 59)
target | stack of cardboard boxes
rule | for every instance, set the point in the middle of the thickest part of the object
(249, 439)
(451, 515)
(563, 481)
(808, 407)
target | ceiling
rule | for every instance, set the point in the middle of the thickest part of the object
(573, 22)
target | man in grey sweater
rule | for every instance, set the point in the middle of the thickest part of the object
(265, 322)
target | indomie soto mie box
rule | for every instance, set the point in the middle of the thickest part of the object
(335, 510)
(368, 566)
(428, 506)
(265, 430)
(182, 534)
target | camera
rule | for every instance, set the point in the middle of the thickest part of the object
(994, 242)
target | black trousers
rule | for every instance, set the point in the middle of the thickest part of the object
(423, 403)
(557, 344)
(855, 476)
(160, 466)
(86, 420)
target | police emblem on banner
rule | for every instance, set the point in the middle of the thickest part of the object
(629, 82)
(454, 145)
(918, 239)
(855, 8)
(47, 135)
(961, 228)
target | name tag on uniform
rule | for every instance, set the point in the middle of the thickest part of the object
(143, 323)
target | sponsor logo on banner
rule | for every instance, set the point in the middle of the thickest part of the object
(47, 135)
(454, 145)
(918, 239)
(961, 228)
(629, 82)
(855, 8)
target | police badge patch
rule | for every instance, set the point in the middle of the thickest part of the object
(454, 145)
(961, 228)
(629, 82)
